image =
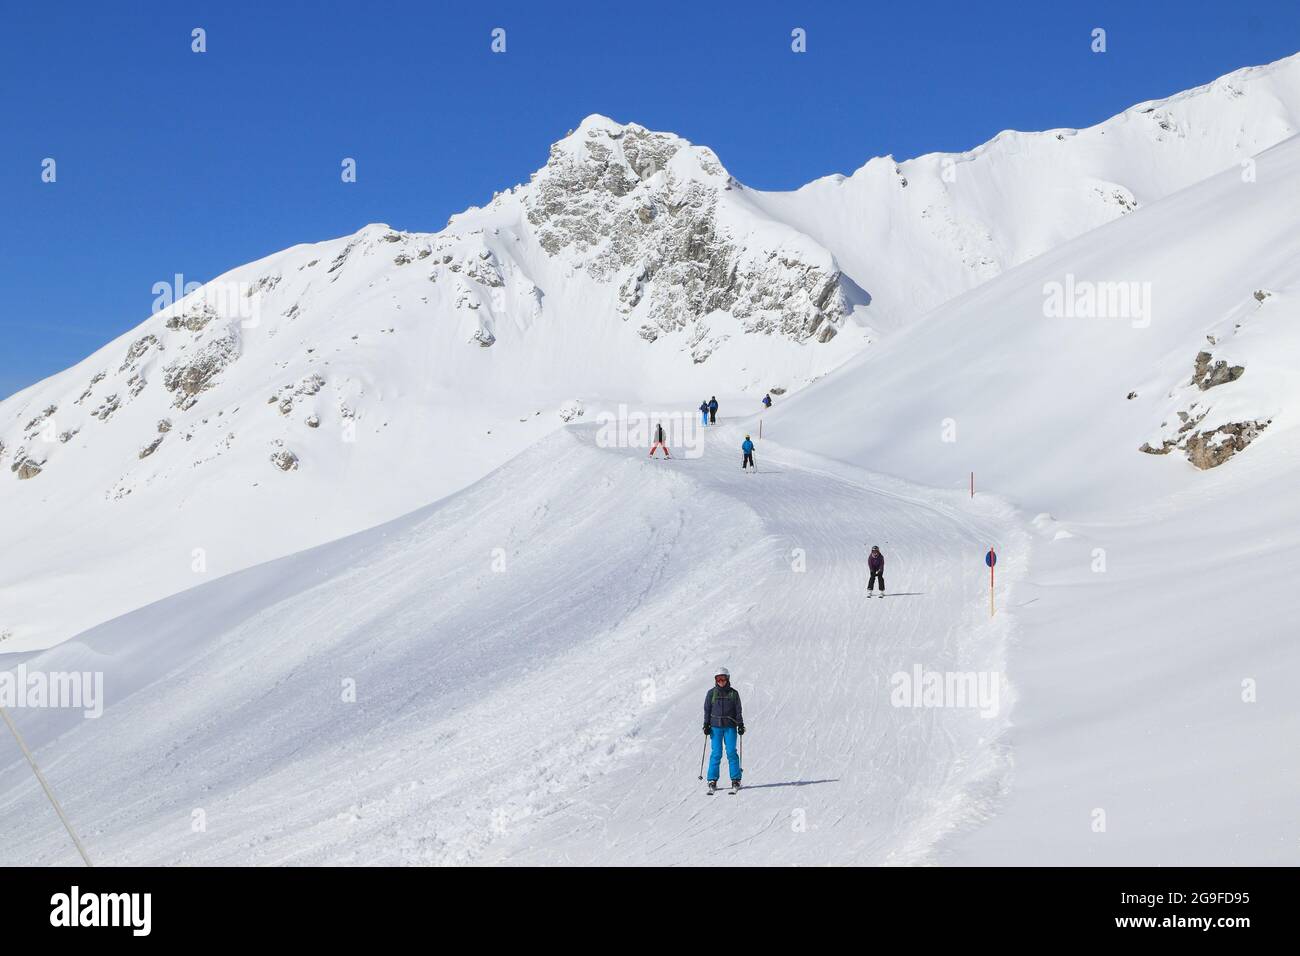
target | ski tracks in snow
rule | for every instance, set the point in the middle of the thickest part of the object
(530, 658)
(834, 773)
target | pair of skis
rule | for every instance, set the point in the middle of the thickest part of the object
(731, 791)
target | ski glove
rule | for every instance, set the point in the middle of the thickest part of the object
(707, 731)
(741, 730)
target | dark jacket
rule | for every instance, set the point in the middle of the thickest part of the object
(713, 405)
(704, 406)
(722, 707)
(659, 434)
(876, 561)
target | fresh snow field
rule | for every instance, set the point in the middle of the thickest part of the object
(461, 627)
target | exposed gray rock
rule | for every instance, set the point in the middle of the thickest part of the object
(26, 467)
(285, 460)
(41, 418)
(1209, 449)
(106, 408)
(137, 349)
(186, 379)
(665, 245)
(1206, 375)
(150, 448)
(195, 319)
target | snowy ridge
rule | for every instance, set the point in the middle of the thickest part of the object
(919, 232)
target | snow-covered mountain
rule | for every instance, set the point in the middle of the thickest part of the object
(332, 386)
(916, 233)
(514, 674)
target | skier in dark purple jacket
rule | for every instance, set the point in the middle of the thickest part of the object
(876, 562)
(723, 722)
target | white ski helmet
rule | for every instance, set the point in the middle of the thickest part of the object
(722, 672)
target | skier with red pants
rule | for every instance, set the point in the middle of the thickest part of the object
(660, 441)
(723, 722)
(876, 562)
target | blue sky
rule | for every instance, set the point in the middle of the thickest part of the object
(175, 162)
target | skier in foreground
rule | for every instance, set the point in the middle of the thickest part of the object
(713, 410)
(747, 447)
(723, 721)
(876, 562)
(660, 441)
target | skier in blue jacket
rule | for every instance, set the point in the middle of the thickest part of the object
(723, 722)
(704, 413)
(747, 447)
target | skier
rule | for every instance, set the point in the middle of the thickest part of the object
(660, 441)
(747, 447)
(704, 413)
(713, 410)
(723, 721)
(767, 400)
(876, 562)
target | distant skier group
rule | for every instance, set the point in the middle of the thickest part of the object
(709, 416)
(709, 411)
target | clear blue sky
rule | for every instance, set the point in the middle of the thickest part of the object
(171, 161)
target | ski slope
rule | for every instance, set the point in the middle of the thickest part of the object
(1158, 675)
(548, 710)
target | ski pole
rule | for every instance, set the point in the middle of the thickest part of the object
(704, 751)
(40, 777)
